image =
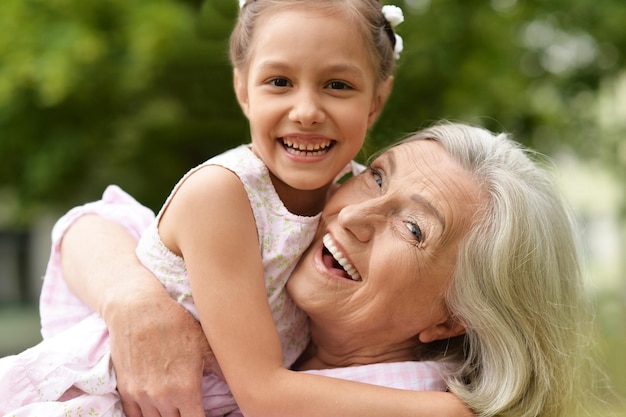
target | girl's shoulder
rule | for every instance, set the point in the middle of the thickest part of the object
(217, 172)
(243, 163)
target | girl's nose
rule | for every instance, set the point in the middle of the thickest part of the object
(361, 220)
(307, 110)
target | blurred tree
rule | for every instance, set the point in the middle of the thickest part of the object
(136, 93)
(111, 91)
(529, 67)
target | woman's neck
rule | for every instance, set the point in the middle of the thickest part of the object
(326, 353)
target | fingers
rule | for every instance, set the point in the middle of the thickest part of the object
(131, 409)
(173, 396)
(157, 375)
(148, 409)
(192, 410)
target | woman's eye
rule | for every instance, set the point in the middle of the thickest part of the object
(339, 85)
(279, 82)
(415, 231)
(377, 177)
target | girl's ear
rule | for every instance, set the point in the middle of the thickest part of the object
(444, 330)
(241, 90)
(384, 89)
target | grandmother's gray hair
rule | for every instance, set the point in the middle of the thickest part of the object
(518, 287)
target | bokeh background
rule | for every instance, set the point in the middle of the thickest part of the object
(137, 92)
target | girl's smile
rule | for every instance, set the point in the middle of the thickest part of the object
(307, 146)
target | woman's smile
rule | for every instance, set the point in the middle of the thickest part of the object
(336, 261)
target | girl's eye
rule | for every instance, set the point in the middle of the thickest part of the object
(279, 82)
(339, 85)
(415, 231)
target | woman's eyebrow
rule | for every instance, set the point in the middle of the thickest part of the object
(429, 207)
(391, 162)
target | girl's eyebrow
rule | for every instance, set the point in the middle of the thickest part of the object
(273, 65)
(346, 69)
(343, 68)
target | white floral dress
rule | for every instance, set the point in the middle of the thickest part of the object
(69, 374)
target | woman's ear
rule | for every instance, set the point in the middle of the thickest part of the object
(444, 330)
(241, 90)
(378, 103)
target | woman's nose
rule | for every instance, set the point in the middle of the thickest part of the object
(307, 109)
(360, 220)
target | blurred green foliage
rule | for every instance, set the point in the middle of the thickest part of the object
(111, 91)
(136, 93)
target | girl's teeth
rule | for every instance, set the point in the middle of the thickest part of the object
(339, 257)
(305, 153)
(302, 148)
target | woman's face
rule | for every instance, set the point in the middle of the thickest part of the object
(395, 229)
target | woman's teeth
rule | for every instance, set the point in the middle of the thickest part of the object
(341, 259)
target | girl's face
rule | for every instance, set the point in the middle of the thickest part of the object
(309, 94)
(396, 229)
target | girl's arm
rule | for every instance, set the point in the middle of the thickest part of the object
(144, 322)
(210, 223)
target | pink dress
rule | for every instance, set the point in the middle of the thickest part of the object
(70, 374)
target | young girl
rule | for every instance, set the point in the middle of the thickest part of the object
(311, 77)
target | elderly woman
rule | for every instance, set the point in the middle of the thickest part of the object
(513, 281)
(452, 246)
